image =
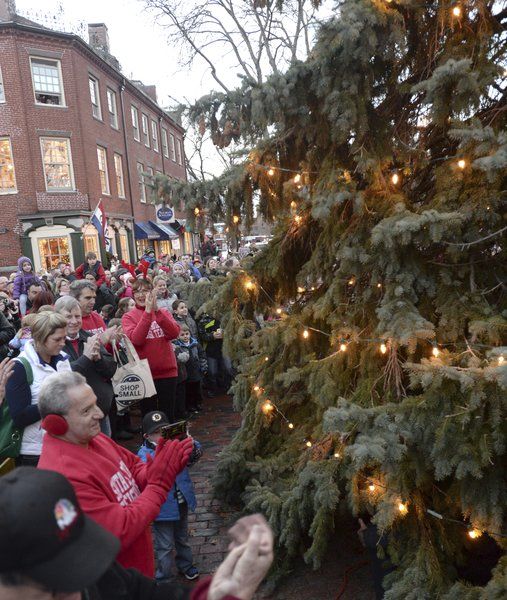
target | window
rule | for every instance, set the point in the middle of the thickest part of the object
(47, 81)
(95, 97)
(54, 250)
(7, 175)
(112, 108)
(91, 244)
(2, 90)
(165, 147)
(118, 169)
(124, 246)
(57, 163)
(135, 122)
(172, 147)
(180, 151)
(154, 135)
(104, 178)
(140, 175)
(146, 130)
(148, 181)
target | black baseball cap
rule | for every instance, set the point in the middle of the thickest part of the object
(45, 535)
(153, 420)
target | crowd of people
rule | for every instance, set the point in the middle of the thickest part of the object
(61, 336)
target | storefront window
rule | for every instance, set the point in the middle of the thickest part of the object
(164, 247)
(91, 244)
(53, 250)
(124, 245)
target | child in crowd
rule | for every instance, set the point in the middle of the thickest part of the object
(93, 266)
(165, 299)
(170, 529)
(181, 316)
(107, 312)
(23, 280)
(196, 369)
(24, 334)
(124, 305)
(182, 357)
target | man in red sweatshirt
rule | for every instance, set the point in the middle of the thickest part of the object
(114, 487)
(151, 330)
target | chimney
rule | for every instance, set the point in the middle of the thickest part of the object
(151, 90)
(98, 36)
(7, 10)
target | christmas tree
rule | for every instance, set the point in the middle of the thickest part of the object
(378, 381)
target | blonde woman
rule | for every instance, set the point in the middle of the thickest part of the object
(41, 357)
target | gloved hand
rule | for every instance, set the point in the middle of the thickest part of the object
(183, 356)
(170, 458)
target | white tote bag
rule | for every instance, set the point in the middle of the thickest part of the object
(132, 381)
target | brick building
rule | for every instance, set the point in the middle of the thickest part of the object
(74, 130)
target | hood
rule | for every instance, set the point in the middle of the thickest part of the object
(23, 259)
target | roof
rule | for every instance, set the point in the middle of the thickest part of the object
(27, 25)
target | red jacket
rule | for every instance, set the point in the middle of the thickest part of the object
(93, 323)
(110, 484)
(151, 334)
(98, 272)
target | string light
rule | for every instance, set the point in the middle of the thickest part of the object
(293, 204)
(196, 211)
(249, 285)
(267, 407)
(235, 219)
(301, 290)
(474, 533)
(290, 425)
(383, 348)
(266, 358)
(298, 219)
(308, 444)
(306, 334)
(435, 351)
(395, 178)
(351, 281)
(403, 508)
(279, 311)
(343, 347)
(462, 163)
(297, 178)
(379, 286)
(337, 455)
(256, 388)
(456, 10)
(371, 487)
(271, 172)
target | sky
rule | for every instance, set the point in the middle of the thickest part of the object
(135, 40)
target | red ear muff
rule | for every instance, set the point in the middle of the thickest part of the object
(55, 425)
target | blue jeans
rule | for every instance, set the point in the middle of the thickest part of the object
(169, 536)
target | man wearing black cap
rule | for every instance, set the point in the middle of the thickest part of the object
(49, 549)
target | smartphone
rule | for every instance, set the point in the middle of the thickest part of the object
(175, 431)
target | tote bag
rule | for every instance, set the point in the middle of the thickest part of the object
(132, 381)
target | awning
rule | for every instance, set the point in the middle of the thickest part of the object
(144, 231)
(166, 231)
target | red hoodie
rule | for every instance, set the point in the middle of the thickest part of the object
(110, 483)
(93, 323)
(151, 334)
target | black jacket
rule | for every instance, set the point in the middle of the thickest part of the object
(207, 325)
(7, 332)
(97, 373)
(128, 584)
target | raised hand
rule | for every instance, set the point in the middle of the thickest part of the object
(6, 368)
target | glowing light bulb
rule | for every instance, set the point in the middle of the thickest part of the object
(395, 179)
(351, 281)
(371, 487)
(249, 285)
(290, 425)
(383, 348)
(435, 351)
(256, 388)
(301, 290)
(279, 311)
(271, 172)
(456, 11)
(306, 334)
(297, 178)
(293, 205)
(343, 347)
(402, 507)
(337, 455)
(501, 360)
(379, 285)
(235, 219)
(474, 534)
(267, 407)
(266, 358)
(309, 444)
(196, 211)
(462, 163)
(226, 230)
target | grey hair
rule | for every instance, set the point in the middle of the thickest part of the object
(79, 286)
(68, 303)
(53, 395)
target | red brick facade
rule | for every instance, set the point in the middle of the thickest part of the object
(24, 123)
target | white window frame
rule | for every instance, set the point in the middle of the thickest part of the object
(140, 176)
(151, 174)
(96, 108)
(172, 147)
(111, 102)
(134, 117)
(165, 143)
(71, 168)
(145, 128)
(13, 190)
(118, 162)
(2, 88)
(60, 81)
(179, 143)
(105, 188)
(154, 135)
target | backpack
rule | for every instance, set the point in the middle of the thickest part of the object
(10, 435)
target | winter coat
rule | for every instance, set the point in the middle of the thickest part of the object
(151, 334)
(170, 509)
(197, 364)
(167, 303)
(207, 326)
(97, 271)
(189, 322)
(7, 332)
(97, 373)
(24, 280)
(182, 357)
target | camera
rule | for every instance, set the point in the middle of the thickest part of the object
(175, 431)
